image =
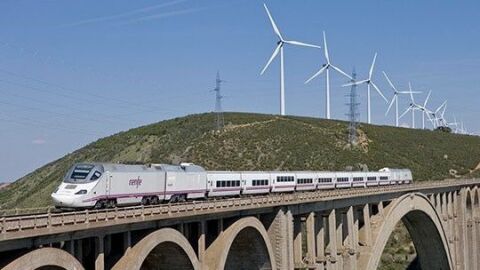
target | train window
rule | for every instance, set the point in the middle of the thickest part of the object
(342, 179)
(325, 180)
(383, 177)
(305, 180)
(96, 175)
(260, 182)
(358, 179)
(81, 171)
(285, 179)
(372, 178)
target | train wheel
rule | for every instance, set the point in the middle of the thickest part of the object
(155, 200)
(182, 198)
(173, 199)
(111, 204)
(145, 201)
(98, 205)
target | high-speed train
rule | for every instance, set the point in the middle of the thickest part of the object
(100, 185)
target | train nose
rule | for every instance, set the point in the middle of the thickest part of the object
(62, 200)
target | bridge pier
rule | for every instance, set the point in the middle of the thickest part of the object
(320, 230)
(99, 253)
(127, 241)
(311, 235)
(201, 243)
(78, 253)
(297, 242)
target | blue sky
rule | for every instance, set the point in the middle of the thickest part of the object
(74, 71)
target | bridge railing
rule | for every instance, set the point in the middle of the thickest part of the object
(51, 219)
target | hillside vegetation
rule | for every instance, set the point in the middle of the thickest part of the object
(261, 142)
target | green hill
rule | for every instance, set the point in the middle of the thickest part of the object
(261, 142)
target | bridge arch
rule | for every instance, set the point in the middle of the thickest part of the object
(422, 222)
(169, 248)
(243, 245)
(45, 258)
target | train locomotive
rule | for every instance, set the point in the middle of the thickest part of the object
(105, 185)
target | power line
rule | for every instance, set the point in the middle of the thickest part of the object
(29, 122)
(104, 118)
(55, 114)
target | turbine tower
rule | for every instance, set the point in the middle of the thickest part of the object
(326, 67)
(279, 49)
(396, 93)
(369, 82)
(219, 120)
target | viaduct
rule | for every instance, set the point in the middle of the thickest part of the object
(335, 229)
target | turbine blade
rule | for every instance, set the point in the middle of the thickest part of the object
(317, 74)
(389, 82)
(275, 28)
(275, 53)
(411, 93)
(428, 116)
(426, 100)
(370, 73)
(298, 43)
(444, 109)
(341, 72)
(380, 92)
(405, 112)
(354, 83)
(408, 92)
(325, 48)
(440, 107)
(391, 104)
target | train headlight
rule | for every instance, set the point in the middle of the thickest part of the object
(81, 192)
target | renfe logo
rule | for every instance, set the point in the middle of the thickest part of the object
(135, 182)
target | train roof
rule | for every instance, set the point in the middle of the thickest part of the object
(190, 167)
(116, 167)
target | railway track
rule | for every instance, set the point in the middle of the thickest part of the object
(48, 218)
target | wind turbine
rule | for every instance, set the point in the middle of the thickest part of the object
(424, 109)
(326, 67)
(436, 115)
(396, 93)
(454, 123)
(412, 106)
(442, 115)
(279, 49)
(369, 82)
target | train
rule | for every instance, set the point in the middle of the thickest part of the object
(107, 185)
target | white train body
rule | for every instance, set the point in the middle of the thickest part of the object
(108, 185)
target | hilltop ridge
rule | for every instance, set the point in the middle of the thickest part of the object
(261, 142)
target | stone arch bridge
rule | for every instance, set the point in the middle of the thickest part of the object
(335, 229)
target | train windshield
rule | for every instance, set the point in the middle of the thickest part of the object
(83, 173)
